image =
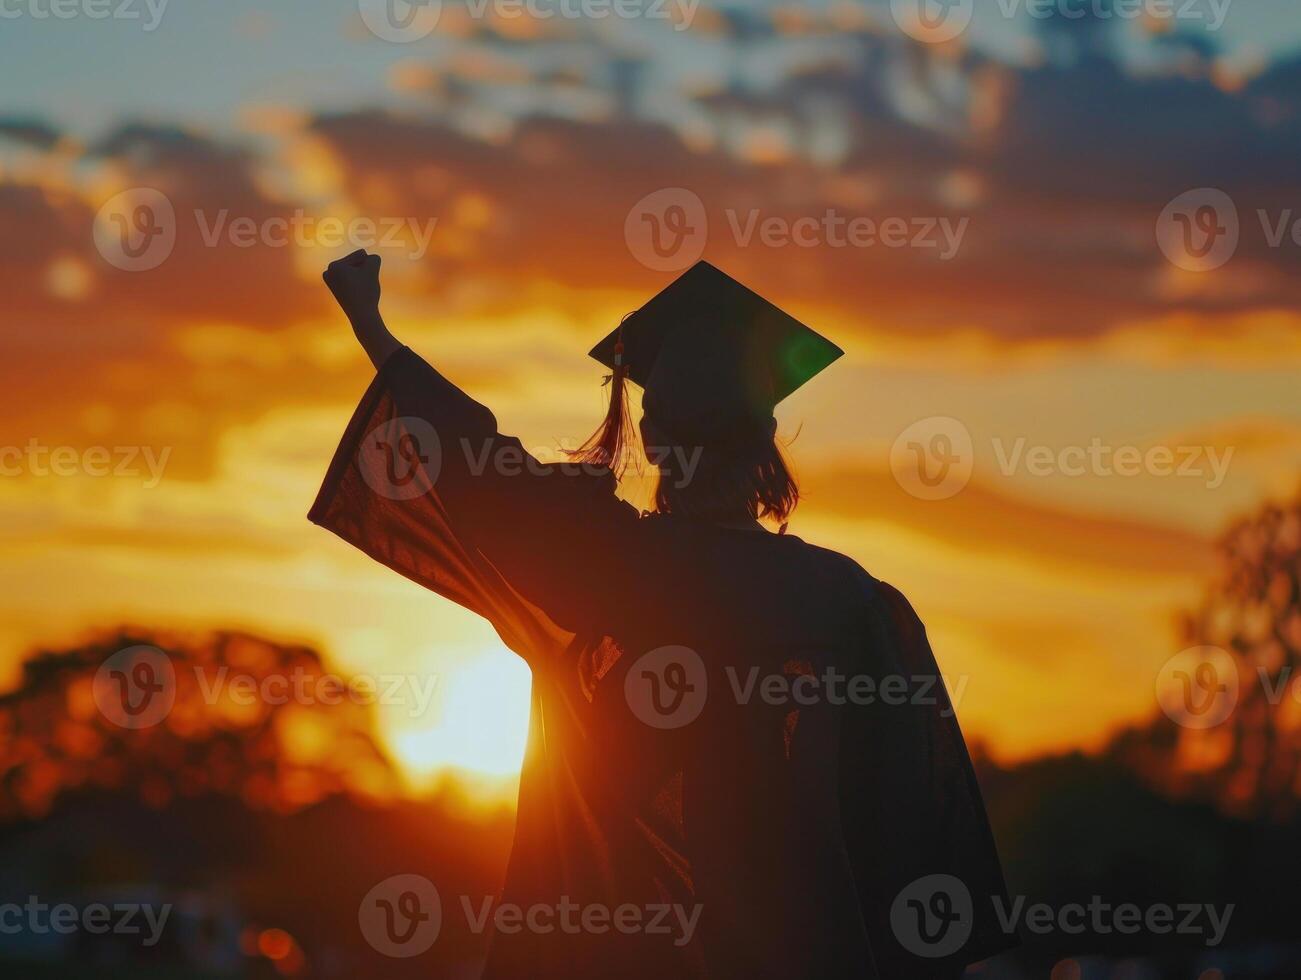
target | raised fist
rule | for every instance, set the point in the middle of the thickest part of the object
(354, 281)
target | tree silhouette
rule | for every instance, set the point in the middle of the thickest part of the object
(221, 735)
(1251, 762)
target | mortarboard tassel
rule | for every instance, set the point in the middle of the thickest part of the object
(608, 446)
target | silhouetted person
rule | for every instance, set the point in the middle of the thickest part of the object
(728, 724)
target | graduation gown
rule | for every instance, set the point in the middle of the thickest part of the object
(777, 830)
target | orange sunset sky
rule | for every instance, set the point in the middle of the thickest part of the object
(1057, 322)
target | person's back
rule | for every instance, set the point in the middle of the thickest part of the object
(775, 623)
(718, 781)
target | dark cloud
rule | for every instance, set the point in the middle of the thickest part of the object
(1061, 170)
(31, 131)
(209, 184)
(114, 339)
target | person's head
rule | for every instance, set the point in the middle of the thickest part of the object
(713, 359)
(746, 479)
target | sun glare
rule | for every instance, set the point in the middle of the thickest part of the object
(479, 722)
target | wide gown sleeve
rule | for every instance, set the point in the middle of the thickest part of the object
(423, 482)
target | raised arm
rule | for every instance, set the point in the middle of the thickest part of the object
(555, 533)
(354, 281)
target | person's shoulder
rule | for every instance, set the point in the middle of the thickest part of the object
(591, 478)
(838, 577)
(837, 563)
(584, 478)
(592, 490)
(863, 582)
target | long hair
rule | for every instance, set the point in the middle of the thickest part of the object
(610, 446)
(721, 483)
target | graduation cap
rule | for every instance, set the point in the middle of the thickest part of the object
(714, 359)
